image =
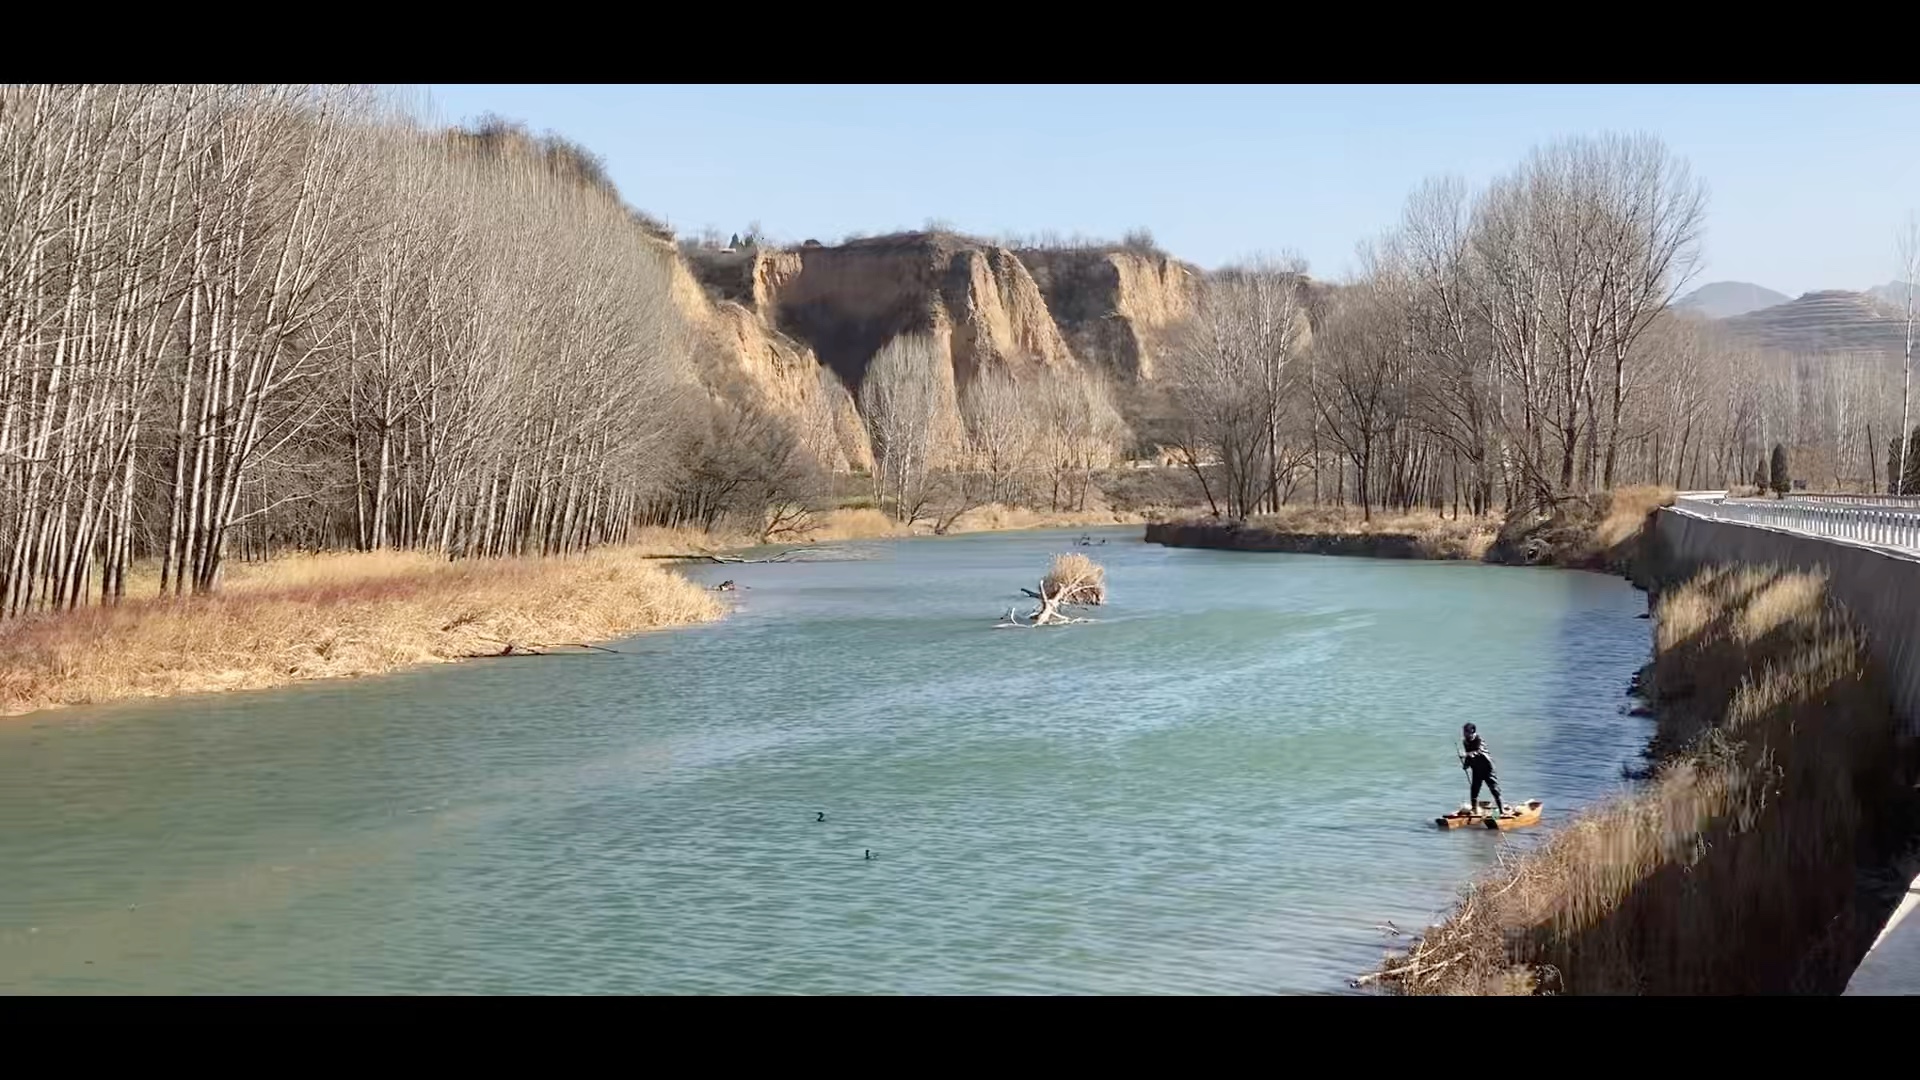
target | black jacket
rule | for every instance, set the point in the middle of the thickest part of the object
(1477, 757)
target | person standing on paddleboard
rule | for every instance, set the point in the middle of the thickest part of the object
(1475, 759)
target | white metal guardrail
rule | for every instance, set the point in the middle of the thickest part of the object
(1891, 502)
(1878, 524)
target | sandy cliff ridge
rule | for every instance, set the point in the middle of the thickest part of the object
(1117, 307)
(1112, 309)
(743, 358)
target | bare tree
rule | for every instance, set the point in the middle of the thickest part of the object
(906, 399)
(1001, 427)
(235, 319)
(1459, 400)
(1363, 357)
(1078, 429)
(1232, 378)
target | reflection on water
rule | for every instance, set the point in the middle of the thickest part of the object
(1222, 786)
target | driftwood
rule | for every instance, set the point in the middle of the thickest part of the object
(1074, 580)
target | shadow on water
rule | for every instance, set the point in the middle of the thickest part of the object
(1599, 645)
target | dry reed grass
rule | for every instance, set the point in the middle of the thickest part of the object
(336, 614)
(1075, 579)
(847, 523)
(1625, 513)
(326, 616)
(855, 523)
(996, 517)
(1589, 532)
(1433, 535)
(1733, 871)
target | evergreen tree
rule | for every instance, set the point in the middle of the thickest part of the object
(1781, 484)
(1910, 485)
(1760, 474)
(734, 241)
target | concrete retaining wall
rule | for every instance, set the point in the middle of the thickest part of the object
(1881, 588)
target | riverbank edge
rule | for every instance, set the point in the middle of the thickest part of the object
(1616, 534)
(347, 625)
(1254, 537)
(339, 616)
(869, 524)
(1603, 533)
(1766, 668)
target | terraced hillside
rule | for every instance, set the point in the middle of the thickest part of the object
(1825, 322)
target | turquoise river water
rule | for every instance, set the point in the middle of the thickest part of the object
(1223, 786)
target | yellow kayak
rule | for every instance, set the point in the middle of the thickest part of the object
(1512, 817)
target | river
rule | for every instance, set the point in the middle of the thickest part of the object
(1222, 786)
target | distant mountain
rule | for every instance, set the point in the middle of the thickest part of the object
(1725, 299)
(1826, 322)
(1895, 293)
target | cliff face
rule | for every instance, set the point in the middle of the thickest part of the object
(848, 301)
(743, 359)
(771, 312)
(1116, 307)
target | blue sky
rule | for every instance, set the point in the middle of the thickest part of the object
(1806, 184)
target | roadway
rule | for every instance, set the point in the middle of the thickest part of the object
(1884, 522)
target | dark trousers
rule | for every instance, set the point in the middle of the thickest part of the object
(1483, 774)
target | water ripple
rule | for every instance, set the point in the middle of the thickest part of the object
(1221, 787)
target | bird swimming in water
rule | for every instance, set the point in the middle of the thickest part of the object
(819, 815)
(869, 853)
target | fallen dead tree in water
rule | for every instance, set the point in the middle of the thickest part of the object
(1072, 581)
(1075, 579)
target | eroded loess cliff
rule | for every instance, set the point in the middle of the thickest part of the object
(1114, 309)
(1117, 307)
(744, 359)
(848, 301)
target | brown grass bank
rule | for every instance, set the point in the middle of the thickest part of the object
(1328, 530)
(325, 616)
(1596, 532)
(1593, 532)
(1737, 867)
(867, 523)
(334, 615)
(995, 517)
